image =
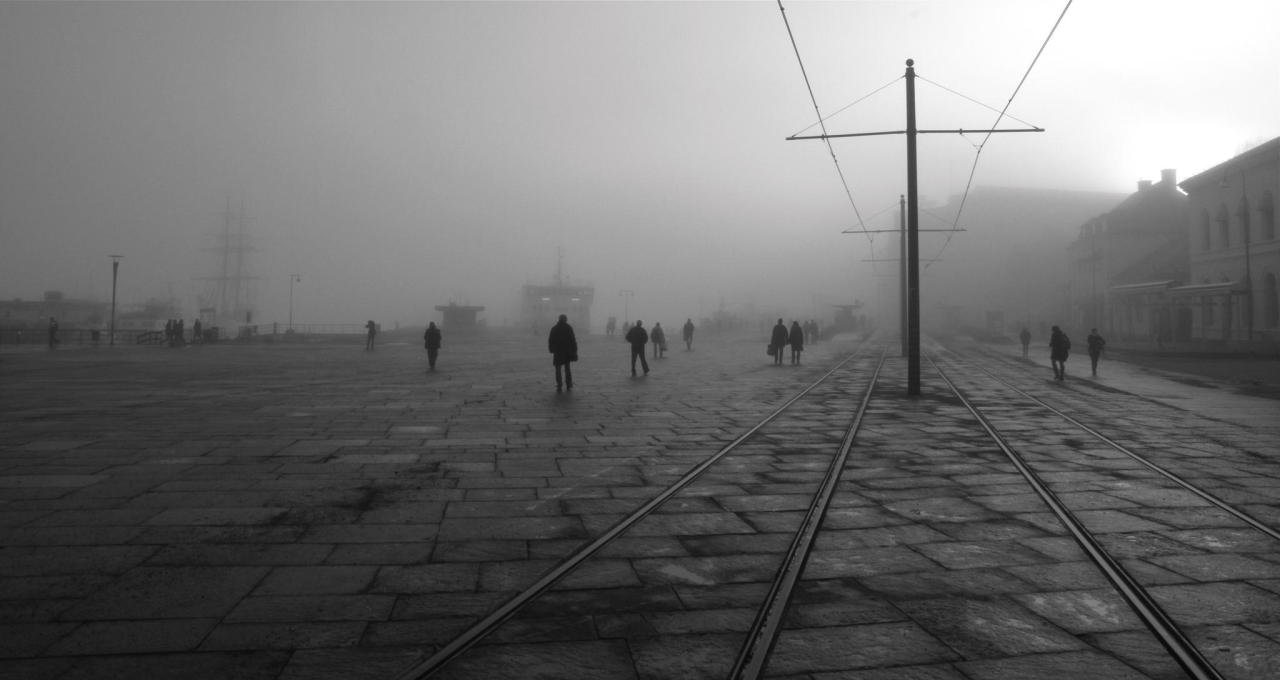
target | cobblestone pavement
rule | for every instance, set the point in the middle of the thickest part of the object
(317, 511)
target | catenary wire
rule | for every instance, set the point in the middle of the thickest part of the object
(855, 102)
(821, 122)
(978, 153)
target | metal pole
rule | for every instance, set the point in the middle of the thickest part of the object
(293, 278)
(902, 272)
(913, 241)
(115, 271)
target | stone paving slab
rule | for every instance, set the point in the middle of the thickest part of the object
(317, 511)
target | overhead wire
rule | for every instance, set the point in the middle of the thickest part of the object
(822, 123)
(978, 153)
(850, 105)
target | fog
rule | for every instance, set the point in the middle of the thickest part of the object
(405, 155)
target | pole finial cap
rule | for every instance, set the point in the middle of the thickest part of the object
(911, 62)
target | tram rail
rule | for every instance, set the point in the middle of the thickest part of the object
(757, 646)
(764, 631)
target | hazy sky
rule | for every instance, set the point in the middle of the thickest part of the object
(402, 155)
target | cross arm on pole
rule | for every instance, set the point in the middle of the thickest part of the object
(892, 231)
(958, 131)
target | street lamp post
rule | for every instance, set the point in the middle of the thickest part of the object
(626, 298)
(115, 271)
(293, 278)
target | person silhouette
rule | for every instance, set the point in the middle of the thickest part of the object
(563, 346)
(432, 339)
(637, 336)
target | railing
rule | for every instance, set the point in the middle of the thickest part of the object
(38, 337)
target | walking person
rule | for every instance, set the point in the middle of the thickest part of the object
(658, 338)
(53, 333)
(432, 339)
(371, 330)
(778, 341)
(1025, 337)
(1096, 343)
(1059, 347)
(796, 339)
(688, 334)
(638, 336)
(563, 346)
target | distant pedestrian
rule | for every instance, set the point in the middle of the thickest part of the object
(658, 338)
(197, 332)
(1059, 347)
(688, 334)
(53, 333)
(611, 326)
(431, 339)
(777, 342)
(1025, 337)
(796, 339)
(638, 336)
(371, 330)
(1096, 343)
(563, 346)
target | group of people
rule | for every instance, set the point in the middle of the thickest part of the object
(175, 333)
(1060, 348)
(563, 346)
(781, 338)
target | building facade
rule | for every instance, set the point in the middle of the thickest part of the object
(1123, 260)
(1232, 297)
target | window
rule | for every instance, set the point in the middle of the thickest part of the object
(1267, 211)
(1224, 226)
(1206, 243)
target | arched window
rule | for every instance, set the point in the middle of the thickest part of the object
(1224, 226)
(1206, 243)
(1267, 212)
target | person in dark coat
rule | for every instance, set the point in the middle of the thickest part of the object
(778, 341)
(1096, 343)
(371, 330)
(658, 338)
(688, 334)
(638, 336)
(432, 339)
(53, 332)
(796, 338)
(563, 346)
(1059, 347)
(1025, 337)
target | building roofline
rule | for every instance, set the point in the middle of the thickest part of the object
(1255, 156)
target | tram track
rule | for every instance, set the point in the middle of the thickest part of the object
(754, 651)
(1148, 610)
(765, 578)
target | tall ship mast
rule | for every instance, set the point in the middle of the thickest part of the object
(228, 298)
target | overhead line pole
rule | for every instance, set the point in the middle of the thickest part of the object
(913, 219)
(902, 272)
(913, 241)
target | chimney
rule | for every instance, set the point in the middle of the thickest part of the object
(1169, 178)
(1144, 184)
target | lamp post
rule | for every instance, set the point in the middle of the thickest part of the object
(293, 278)
(626, 298)
(115, 271)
